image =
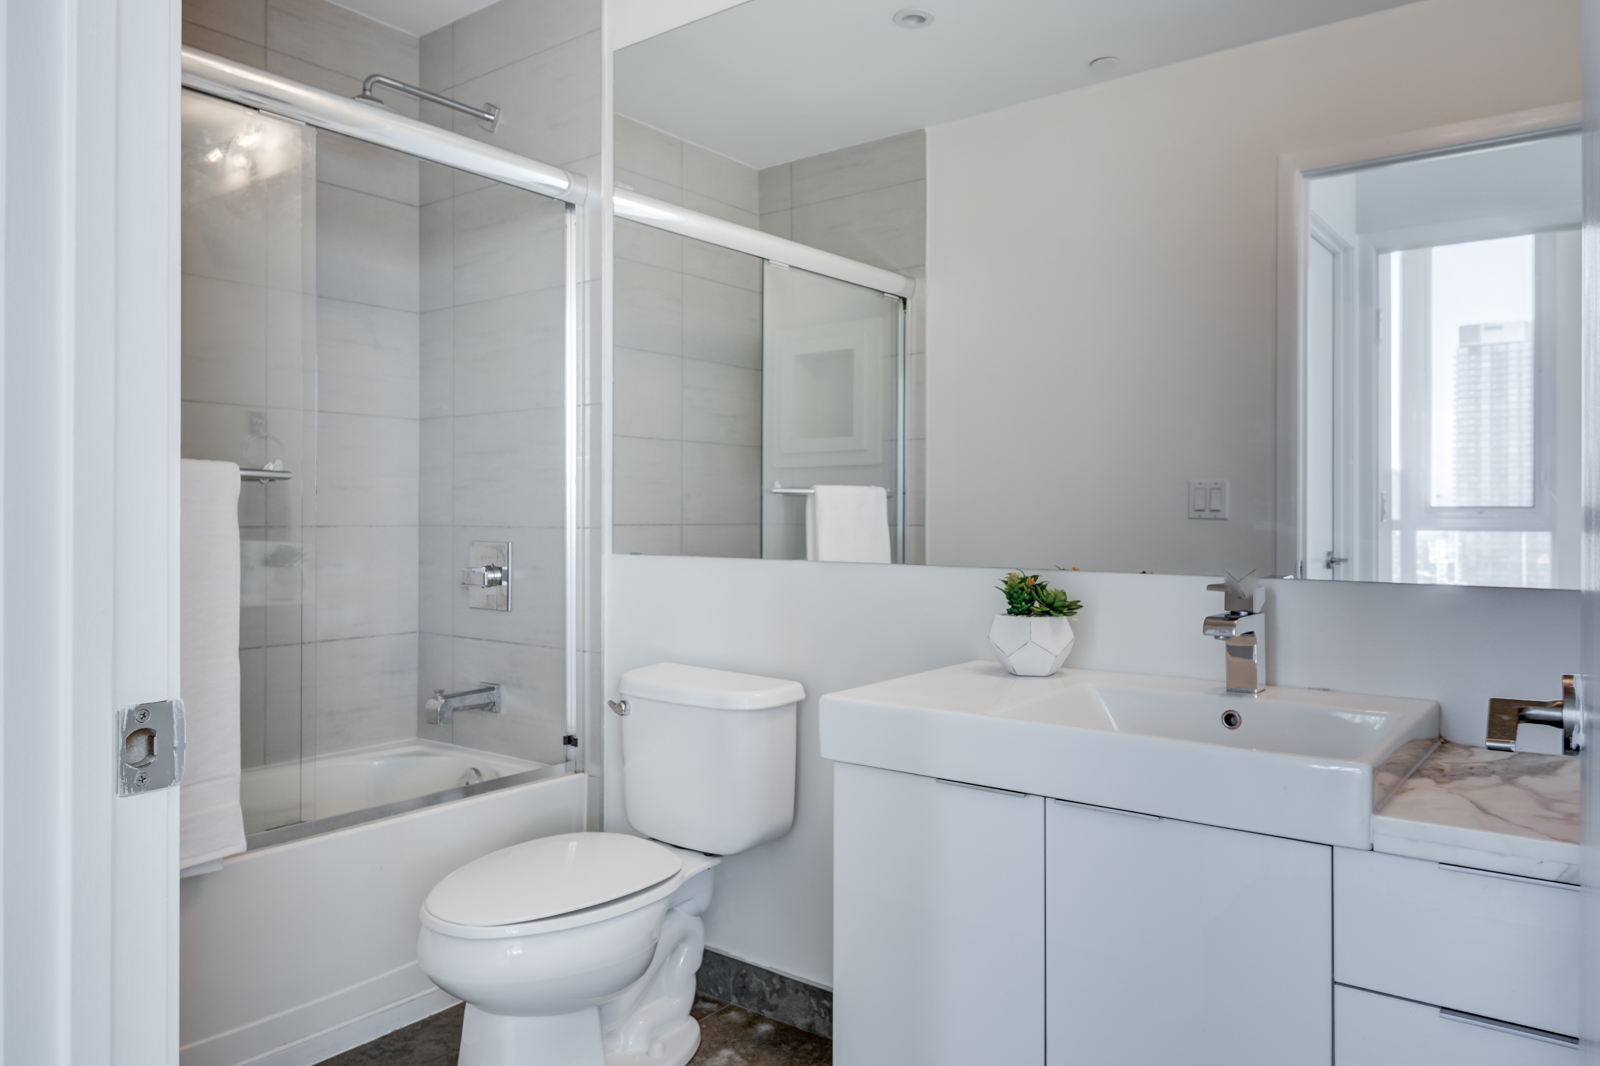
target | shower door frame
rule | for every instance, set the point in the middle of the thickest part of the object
(284, 98)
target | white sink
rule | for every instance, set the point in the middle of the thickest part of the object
(1300, 763)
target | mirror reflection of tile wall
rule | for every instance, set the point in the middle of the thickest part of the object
(688, 363)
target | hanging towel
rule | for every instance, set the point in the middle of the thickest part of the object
(212, 823)
(848, 524)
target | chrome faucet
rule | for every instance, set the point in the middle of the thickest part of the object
(1243, 626)
(444, 704)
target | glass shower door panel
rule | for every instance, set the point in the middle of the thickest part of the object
(832, 404)
(249, 388)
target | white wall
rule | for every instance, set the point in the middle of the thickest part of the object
(1105, 261)
(833, 626)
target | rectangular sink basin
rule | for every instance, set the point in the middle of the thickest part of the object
(1300, 763)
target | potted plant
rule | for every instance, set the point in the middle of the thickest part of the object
(1033, 637)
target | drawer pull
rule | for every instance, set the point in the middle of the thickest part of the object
(980, 788)
(1507, 1027)
(1519, 878)
(1108, 810)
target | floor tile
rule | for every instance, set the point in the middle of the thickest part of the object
(434, 1041)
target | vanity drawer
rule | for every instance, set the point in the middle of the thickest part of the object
(1488, 944)
(1374, 1030)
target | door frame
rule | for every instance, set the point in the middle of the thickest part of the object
(89, 526)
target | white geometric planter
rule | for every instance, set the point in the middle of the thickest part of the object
(1030, 647)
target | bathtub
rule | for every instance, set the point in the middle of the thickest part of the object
(363, 778)
(305, 947)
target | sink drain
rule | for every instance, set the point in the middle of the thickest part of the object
(1232, 719)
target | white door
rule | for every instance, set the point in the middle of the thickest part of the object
(88, 517)
(1170, 942)
(938, 922)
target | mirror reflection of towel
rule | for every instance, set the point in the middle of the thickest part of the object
(848, 524)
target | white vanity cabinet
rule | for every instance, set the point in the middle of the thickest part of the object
(1170, 942)
(938, 922)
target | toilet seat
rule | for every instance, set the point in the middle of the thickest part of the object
(550, 884)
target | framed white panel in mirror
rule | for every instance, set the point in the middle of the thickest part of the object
(1192, 288)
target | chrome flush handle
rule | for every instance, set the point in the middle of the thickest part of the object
(1565, 714)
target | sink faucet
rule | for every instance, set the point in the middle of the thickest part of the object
(1243, 626)
(444, 704)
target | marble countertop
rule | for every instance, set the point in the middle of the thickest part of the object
(1490, 810)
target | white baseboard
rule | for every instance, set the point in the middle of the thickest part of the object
(330, 1042)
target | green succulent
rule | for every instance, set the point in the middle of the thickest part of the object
(1028, 594)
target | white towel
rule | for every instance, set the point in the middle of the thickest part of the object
(212, 822)
(848, 524)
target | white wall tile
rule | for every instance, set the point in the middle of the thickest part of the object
(649, 308)
(436, 237)
(224, 341)
(728, 542)
(367, 470)
(532, 696)
(721, 322)
(779, 224)
(436, 59)
(366, 581)
(774, 186)
(646, 151)
(222, 44)
(362, 167)
(884, 227)
(721, 404)
(646, 394)
(435, 670)
(555, 114)
(632, 181)
(365, 689)
(437, 370)
(436, 471)
(337, 38)
(721, 484)
(244, 19)
(648, 480)
(707, 205)
(646, 244)
(366, 249)
(507, 241)
(510, 30)
(722, 264)
(538, 587)
(857, 169)
(510, 468)
(722, 179)
(510, 353)
(439, 580)
(647, 540)
(368, 359)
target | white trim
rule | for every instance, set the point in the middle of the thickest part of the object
(246, 85)
(637, 207)
(1293, 171)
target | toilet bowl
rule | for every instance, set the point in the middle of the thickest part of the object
(581, 949)
(572, 950)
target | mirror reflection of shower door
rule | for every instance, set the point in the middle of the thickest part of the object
(832, 400)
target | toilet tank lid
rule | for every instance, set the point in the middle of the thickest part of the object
(550, 876)
(698, 686)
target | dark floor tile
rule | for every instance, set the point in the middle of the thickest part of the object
(434, 1041)
(734, 1036)
(704, 1005)
(767, 992)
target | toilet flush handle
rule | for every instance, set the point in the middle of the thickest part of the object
(620, 706)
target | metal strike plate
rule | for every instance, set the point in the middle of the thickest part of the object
(491, 591)
(150, 747)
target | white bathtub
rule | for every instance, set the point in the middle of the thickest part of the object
(296, 952)
(355, 780)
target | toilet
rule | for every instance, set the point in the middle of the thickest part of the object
(581, 949)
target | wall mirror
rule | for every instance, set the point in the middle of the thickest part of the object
(1170, 287)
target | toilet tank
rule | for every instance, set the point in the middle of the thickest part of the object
(708, 756)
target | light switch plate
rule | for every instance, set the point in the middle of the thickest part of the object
(1208, 499)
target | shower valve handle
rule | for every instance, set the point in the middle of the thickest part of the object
(484, 577)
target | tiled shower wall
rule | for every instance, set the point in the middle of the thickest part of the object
(440, 388)
(493, 360)
(365, 543)
(687, 360)
(687, 458)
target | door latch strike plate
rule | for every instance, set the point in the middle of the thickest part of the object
(150, 747)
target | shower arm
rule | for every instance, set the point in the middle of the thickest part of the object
(490, 116)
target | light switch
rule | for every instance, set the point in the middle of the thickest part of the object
(1208, 499)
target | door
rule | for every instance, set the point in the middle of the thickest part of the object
(1170, 942)
(938, 922)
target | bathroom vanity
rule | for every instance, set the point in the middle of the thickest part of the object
(1096, 868)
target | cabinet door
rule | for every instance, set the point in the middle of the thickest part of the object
(938, 925)
(1169, 942)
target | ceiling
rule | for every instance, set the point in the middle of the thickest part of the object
(769, 81)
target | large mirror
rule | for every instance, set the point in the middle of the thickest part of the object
(1169, 287)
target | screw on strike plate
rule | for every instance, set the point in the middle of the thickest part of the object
(141, 778)
(142, 716)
